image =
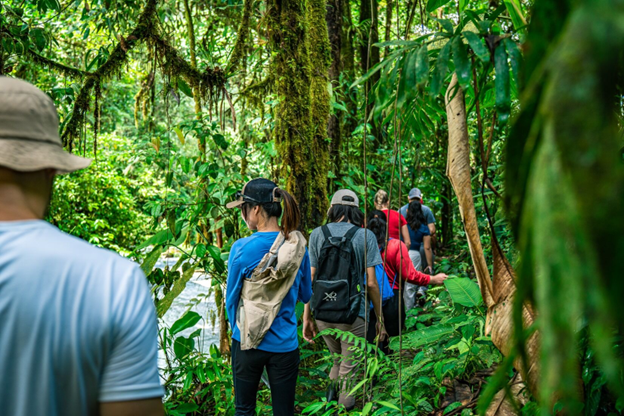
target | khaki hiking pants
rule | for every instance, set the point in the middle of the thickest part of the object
(344, 368)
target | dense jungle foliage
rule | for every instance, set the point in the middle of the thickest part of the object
(505, 113)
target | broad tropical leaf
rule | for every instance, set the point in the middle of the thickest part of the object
(464, 291)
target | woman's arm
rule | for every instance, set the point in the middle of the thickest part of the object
(408, 272)
(406, 236)
(428, 253)
(309, 329)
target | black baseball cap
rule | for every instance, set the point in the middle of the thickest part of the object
(256, 191)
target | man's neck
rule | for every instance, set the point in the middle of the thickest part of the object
(15, 205)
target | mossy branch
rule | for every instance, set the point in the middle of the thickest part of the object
(241, 41)
(146, 30)
(63, 69)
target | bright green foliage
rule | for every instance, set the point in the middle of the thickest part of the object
(97, 204)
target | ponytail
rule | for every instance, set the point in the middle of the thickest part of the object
(415, 215)
(292, 215)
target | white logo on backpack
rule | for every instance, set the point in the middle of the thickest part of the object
(330, 297)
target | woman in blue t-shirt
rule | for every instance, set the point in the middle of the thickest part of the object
(278, 352)
(419, 235)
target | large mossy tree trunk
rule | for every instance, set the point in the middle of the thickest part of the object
(298, 107)
(320, 53)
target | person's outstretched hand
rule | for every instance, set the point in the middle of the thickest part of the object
(438, 279)
(309, 330)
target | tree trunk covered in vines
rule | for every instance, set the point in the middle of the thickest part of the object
(320, 60)
(334, 18)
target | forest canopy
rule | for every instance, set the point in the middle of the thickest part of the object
(507, 115)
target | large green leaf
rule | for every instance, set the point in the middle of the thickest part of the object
(423, 336)
(151, 259)
(462, 64)
(441, 68)
(183, 346)
(165, 303)
(464, 291)
(515, 58)
(187, 320)
(432, 5)
(477, 46)
(422, 65)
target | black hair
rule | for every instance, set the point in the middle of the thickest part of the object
(344, 213)
(377, 224)
(292, 215)
(415, 215)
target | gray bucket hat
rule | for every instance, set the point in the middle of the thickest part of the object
(29, 137)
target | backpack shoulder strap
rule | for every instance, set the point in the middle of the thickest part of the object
(326, 232)
(351, 233)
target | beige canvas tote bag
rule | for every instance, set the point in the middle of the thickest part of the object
(262, 294)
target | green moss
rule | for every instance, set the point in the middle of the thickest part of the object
(241, 41)
(320, 59)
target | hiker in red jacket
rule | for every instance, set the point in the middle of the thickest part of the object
(398, 267)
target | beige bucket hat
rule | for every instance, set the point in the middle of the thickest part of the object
(29, 137)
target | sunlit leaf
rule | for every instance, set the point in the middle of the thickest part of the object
(151, 259)
(432, 5)
(464, 291)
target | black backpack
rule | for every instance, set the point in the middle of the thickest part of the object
(337, 291)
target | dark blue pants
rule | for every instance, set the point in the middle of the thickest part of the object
(282, 369)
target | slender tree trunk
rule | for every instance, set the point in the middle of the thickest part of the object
(334, 17)
(497, 294)
(369, 12)
(347, 55)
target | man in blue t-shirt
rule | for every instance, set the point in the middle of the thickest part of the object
(414, 194)
(79, 330)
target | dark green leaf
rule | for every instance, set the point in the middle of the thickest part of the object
(184, 87)
(38, 37)
(54, 5)
(503, 99)
(446, 24)
(185, 408)
(440, 69)
(462, 63)
(187, 320)
(215, 253)
(422, 65)
(165, 303)
(477, 46)
(219, 139)
(182, 347)
(200, 250)
(515, 57)
(432, 5)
